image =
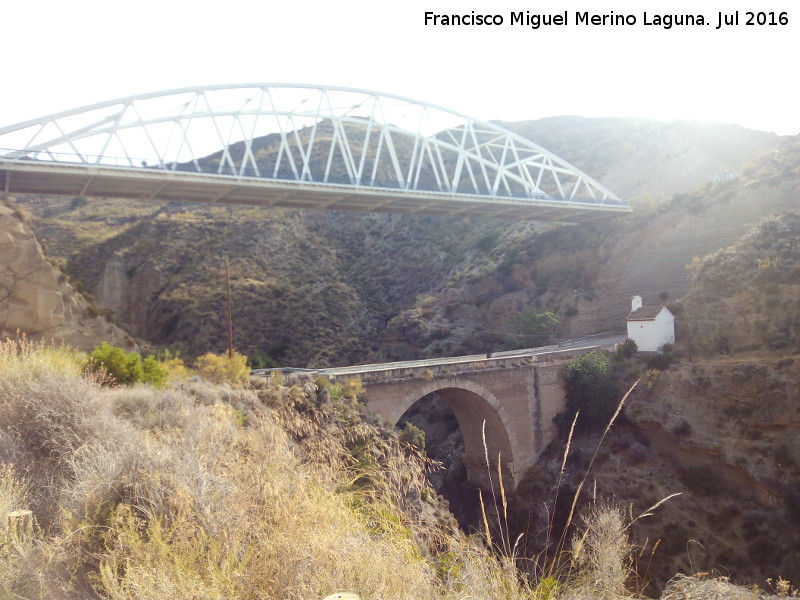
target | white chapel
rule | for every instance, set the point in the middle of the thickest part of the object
(650, 326)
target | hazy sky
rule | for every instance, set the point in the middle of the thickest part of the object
(61, 55)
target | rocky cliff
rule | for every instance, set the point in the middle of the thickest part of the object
(35, 298)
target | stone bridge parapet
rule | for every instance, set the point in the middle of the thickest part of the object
(436, 371)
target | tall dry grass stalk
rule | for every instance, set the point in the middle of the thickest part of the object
(599, 563)
(601, 554)
(550, 567)
(585, 477)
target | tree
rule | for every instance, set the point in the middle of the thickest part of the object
(537, 327)
(626, 349)
(591, 389)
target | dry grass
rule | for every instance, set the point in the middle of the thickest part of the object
(201, 491)
(272, 491)
(704, 587)
(602, 554)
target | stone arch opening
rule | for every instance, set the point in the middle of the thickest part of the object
(456, 421)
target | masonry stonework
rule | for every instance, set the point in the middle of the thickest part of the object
(515, 397)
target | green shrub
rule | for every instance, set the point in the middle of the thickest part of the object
(351, 390)
(154, 372)
(125, 368)
(488, 241)
(77, 202)
(414, 436)
(626, 349)
(262, 360)
(591, 389)
(536, 327)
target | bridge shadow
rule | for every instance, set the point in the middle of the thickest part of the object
(455, 422)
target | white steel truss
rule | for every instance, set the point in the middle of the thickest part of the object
(324, 135)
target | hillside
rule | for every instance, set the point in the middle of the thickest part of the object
(308, 288)
(269, 489)
(717, 421)
(643, 159)
(726, 416)
(339, 278)
(587, 274)
(200, 491)
(747, 296)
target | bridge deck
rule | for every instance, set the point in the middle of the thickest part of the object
(604, 340)
(39, 177)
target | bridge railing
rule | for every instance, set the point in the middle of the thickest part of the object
(49, 156)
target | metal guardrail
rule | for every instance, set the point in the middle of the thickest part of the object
(593, 336)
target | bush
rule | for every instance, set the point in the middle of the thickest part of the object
(683, 429)
(702, 480)
(219, 368)
(77, 202)
(154, 372)
(176, 369)
(125, 368)
(261, 360)
(119, 366)
(536, 327)
(602, 553)
(591, 389)
(626, 349)
(414, 436)
(661, 362)
(488, 241)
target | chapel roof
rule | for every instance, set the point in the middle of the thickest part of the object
(644, 313)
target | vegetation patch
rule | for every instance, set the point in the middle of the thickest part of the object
(591, 389)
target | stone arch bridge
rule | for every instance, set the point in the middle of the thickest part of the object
(516, 395)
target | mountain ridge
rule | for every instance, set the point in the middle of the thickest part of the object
(365, 269)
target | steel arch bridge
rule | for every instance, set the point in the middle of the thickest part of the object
(299, 146)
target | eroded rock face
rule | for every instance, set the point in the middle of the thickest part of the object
(36, 300)
(30, 298)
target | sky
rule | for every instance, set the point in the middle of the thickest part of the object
(62, 55)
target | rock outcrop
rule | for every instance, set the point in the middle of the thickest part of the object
(36, 299)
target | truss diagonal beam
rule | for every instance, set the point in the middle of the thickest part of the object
(314, 135)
